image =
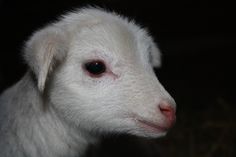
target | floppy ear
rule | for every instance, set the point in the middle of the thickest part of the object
(155, 54)
(43, 50)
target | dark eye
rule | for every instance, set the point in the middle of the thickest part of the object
(95, 68)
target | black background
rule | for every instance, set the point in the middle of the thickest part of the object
(197, 39)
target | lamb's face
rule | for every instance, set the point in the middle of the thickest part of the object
(107, 83)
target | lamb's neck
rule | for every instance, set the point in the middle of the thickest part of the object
(40, 130)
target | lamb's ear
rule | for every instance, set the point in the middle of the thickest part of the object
(155, 54)
(43, 50)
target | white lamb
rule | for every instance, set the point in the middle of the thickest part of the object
(89, 74)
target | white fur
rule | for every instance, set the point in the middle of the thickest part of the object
(56, 109)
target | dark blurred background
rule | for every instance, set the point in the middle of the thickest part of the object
(197, 39)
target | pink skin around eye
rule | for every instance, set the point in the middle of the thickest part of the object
(110, 72)
(113, 75)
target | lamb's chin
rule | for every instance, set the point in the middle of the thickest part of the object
(148, 134)
(144, 131)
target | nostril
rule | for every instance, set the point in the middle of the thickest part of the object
(167, 110)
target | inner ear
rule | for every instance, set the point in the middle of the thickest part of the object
(45, 48)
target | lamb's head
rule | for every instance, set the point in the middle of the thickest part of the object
(97, 68)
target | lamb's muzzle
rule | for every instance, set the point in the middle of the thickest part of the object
(167, 111)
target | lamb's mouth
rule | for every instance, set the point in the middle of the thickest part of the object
(151, 126)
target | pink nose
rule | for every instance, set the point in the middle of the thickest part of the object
(168, 111)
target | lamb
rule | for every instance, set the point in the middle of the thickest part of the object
(90, 73)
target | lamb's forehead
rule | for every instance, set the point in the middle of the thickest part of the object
(114, 32)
